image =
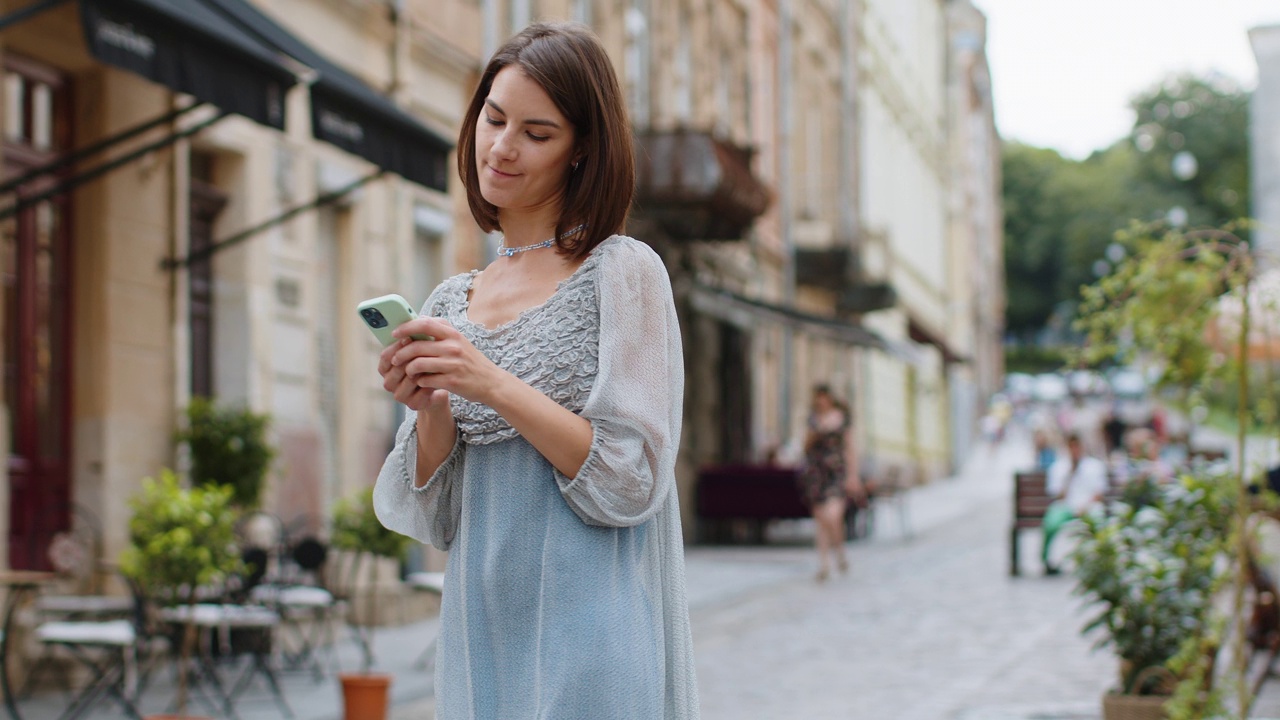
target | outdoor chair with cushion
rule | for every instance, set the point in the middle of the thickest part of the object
(227, 633)
(108, 649)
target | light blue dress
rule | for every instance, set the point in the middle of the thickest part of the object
(564, 598)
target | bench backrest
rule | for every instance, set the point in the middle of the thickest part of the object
(1030, 495)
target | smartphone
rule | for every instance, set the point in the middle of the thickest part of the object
(386, 313)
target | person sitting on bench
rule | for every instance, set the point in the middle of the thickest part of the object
(1076, 483)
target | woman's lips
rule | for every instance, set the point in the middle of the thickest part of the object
(500, 174)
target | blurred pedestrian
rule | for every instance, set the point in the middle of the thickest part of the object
(548, 400)
(1045, 449)
(1113, 430)
(1076, 482)
(830, 477)
(1144, 458)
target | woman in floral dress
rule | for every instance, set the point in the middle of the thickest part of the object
(830, 476)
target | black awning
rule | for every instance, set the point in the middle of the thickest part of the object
(189, 47)
(346, 112)
(921, 334)
(748, 312)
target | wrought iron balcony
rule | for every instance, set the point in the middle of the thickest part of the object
(829, 269)
(695, 186)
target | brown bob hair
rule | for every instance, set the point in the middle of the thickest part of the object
(569, 63)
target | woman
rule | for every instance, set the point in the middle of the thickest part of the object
(548, 404)
(830, 476)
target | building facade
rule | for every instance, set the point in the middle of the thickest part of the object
(1264, 143)
(820, 177)
(293, 158)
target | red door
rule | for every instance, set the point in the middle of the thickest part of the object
(35, 275)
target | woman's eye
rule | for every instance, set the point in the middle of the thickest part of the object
(538, 138)
(491, 121)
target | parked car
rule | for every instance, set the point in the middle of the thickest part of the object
(1086, 383)
(1128, 383)
(1051, 387)
(1019, 387)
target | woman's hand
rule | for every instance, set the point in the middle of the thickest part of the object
(448, 362)
(854, 489)
(405, 387)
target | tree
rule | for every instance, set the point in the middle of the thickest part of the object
(1192, 139)
(1185, 163)
(1034, 214)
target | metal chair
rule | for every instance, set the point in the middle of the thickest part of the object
(891, 490)
(227, 632)
(76, 610)
(108, 649)
(117, 652)
(307, 610)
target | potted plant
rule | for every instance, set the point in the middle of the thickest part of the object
(1190, 302)
(358, 532)
(228, 447)
(1151, 568)
(180, 540)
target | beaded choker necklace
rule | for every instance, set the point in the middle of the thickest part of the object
(505, 251)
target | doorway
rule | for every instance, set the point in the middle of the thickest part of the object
(35, 272)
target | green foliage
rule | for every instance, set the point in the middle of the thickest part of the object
(1222, 397)
(180, 539)
(1034, 210)
(1159, 301)
(1183, 299)
(1207, 118)
(1034, 359)
(1061, 214)
(356, 528)
(1151, 570)
(228, 447)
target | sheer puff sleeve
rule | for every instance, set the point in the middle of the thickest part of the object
(431, 513)
(636, 401)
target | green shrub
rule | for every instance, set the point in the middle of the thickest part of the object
(228, 447)
(1151, 568)
(180, 539)
(1034, 359)
(357, 529)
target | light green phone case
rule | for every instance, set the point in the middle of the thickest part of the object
(386, 313)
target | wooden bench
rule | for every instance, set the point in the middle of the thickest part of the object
(754, 494)
(1030, 501)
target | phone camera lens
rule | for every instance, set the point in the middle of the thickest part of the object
(374, 318)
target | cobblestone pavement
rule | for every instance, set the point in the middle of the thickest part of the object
(930, 627)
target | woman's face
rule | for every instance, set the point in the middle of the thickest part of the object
(524, 145)
(822, 403)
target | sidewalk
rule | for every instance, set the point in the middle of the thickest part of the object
(926, 627)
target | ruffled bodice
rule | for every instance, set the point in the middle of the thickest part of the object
(553, 347)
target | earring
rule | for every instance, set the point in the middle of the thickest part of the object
(575, 165)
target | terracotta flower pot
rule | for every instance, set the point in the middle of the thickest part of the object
(365, 695)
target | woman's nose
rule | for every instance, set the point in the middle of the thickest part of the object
(503, 147)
